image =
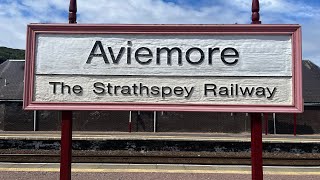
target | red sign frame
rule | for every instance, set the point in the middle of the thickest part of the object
(292, 30)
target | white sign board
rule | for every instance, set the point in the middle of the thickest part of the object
(234, 68)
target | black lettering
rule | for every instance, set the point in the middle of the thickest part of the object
(63, 87)
(237, 89)
(223, 91)
(260, 91)
(191, 50)
(99, 88)
(225, 54)
(135, 89)
(77, 89)
(142, 88)
(129, 52)
(93, 54)
(138, 54)
(109, 88)
(189, 92)
(210, 87)
(169, 55)
(211, 52)
(231, 89)
(271, 93)
(246, 91)
(126, 90)
(54, 86)
(145, 55)
(119, 56)
(178, 91)
(116, 88)
(155, 90)
(166, 91)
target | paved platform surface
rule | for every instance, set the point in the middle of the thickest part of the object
(80, 135)
(87, 171)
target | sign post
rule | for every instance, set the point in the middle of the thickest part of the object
(256, 147)
(256, 121)
(66, 120)
(66, 145)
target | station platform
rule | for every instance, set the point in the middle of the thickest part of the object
(159, 168)
(109, 136)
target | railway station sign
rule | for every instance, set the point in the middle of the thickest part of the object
(221, 68)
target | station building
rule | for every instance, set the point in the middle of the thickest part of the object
(14, 118)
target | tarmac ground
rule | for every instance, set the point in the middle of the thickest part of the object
(101, 171)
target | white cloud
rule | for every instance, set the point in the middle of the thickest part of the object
(151, 11)
(16, 14)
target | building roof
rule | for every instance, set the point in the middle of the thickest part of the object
(311, 82)
(12, 72)
(11, 80)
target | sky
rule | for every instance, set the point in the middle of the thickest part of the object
(16, 14)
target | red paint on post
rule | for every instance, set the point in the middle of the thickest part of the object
(256, 122)
(256, 146)
(130, 127)
(66, 119)
(73, 12)
(66, 145)
(255, 12)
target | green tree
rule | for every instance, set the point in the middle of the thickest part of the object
(9, 53)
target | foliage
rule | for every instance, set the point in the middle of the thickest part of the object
(9, 53)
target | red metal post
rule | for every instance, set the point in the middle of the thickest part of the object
(73, 12)
(265, 115)
(255, 12)
(66, 120)
(256, 122)
(256, 146)
(294, 124)
(130, 127)
(66, 145)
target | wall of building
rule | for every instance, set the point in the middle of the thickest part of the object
(13, 118)
(203, 122)
(48, 120)
(16, 119)
(307, 123)
(310, 119)
(2, 112)
(100, 121)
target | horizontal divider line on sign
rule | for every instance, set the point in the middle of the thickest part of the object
(274, 76)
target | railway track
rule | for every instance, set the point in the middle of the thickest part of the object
(54, 158)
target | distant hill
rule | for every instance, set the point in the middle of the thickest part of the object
(9, 53)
